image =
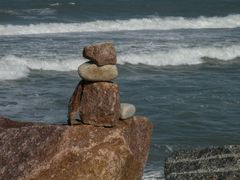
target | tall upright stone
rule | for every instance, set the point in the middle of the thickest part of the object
(100, 105)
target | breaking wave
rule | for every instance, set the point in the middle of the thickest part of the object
(153, 175)
(13, 67)
(182, 56)
(29, 12)
(153, 23)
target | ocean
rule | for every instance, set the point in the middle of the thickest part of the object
(178, 61)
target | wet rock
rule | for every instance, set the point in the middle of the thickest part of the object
(127, 111)
(92, 72)
(210, 163)
(100, 104)
(101, 54)
(75, 152)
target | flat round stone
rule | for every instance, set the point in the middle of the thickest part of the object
(92, 72)
(127, 111)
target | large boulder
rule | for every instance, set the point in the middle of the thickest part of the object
(101, 53)
(40, 151)
(100, 104)
(209, 163)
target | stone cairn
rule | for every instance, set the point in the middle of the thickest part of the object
(96, 98)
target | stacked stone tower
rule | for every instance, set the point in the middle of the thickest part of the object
(96, 98)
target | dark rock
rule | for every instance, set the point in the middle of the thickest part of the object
(100, 105)
(74, 105)
(75, 152)
(209, 163)
(6, 123)
(101, 54)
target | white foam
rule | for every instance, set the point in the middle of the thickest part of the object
(72, 3)
(10, 12)
(13, 67)
(153, 23)
(154, 175)
(55, 4)
(182, 56)
(40, 12)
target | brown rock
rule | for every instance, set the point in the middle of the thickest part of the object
(101, 54)
(75, 152)
(6, 123)
(100, 105)
(74, 104)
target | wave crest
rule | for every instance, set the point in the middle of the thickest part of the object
(154, 23)
(13, 67)
(182, 56)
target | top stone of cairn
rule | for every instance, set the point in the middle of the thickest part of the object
(101, 53)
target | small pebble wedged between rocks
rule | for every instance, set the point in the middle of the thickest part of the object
(92, 72)
(127, 111)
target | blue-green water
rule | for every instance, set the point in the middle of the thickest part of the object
(179, 63)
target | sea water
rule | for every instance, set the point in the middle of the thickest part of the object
(179, 63)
